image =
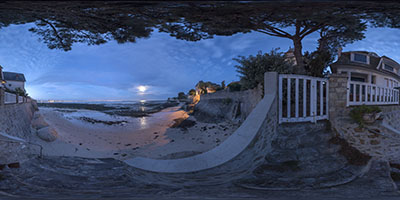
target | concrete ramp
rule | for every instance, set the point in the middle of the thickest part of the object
(236, 157)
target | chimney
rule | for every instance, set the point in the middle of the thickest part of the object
(339, 52)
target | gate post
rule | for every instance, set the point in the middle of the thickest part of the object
(338, 95)
(271, 83)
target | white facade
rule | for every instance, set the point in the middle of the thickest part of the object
(12, 85)
(384, 74)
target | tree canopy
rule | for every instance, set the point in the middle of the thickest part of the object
(61, 24)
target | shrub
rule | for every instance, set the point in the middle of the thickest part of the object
(251, 69)
(192, 92)
(181, 95)
(358, 112)
(234, 87)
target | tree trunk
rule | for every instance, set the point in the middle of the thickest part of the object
(298, 54)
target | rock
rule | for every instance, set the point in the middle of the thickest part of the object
(47, 134)
(38, 121)
(34, 105)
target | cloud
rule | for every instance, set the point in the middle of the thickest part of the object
(162, 63)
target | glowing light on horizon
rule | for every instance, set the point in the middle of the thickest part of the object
(142, 88)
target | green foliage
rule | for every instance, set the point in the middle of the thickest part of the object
(251, 69)
(358, 112)
(20, 92)
(17, 91)
(181, 95)
(192, 92)
(234, 86)
(317, 62)
(202, 86)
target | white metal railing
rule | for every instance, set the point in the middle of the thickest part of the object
(303, 98)
(359, 93)
(10, 98)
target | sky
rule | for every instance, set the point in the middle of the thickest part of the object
(154, 68)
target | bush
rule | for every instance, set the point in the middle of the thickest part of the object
(181, 95)
(234, 87)
(192, 92)
(358, 112)
(251, 69)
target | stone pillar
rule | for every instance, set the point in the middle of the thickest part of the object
(16, 96)
(2, 96)
(271, 83)
(337, 95)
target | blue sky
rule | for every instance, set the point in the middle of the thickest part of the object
(162, 63)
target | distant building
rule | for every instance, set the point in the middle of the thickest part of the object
(368, 67)
(289, 56)
(12, 80)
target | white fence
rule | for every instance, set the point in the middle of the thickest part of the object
(359, 93)
(10, 98)
(20, 99)
(302, 98)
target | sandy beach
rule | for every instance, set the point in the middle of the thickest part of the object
(151, 136)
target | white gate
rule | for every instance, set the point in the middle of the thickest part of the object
(302, 98)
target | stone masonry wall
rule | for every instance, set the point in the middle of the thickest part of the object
(233, 106)
(15, 120)
(337, 95)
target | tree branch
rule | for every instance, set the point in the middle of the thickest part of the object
(278, 31)
(315, 28)
(55, 31)
(271, 34)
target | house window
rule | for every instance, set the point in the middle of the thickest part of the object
(359, 77)
(388, 67)
(373, 79)
(360, 58)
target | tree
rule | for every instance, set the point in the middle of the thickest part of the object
(181, 95)
(334, 23)
(223, 85)
(192, 92)
(61, 24)
(251, 69)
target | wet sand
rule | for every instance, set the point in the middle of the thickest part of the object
(143, 136)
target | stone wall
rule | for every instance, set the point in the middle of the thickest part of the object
(374, 140)
(234, 159)
(15, 120)
(225, 105)
(235, 168)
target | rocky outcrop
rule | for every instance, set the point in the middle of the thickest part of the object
(42, 128)
(38, 121)
(47, 134)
